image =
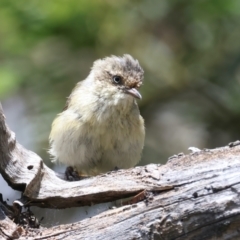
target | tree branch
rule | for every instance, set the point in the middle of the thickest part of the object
(193, 196)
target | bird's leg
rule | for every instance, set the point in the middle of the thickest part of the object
(71, 174)
(116, 169)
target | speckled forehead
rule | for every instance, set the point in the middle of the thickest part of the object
(126, 66)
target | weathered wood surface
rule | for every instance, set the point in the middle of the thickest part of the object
(193, 196)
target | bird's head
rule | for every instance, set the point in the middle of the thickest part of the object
(119, 75)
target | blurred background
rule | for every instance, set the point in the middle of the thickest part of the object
(190, 51)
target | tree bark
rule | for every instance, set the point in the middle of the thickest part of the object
(193, 196)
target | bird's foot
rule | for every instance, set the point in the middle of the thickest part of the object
(116, 169)
(71, 174)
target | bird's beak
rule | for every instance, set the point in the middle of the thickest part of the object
(134, 92)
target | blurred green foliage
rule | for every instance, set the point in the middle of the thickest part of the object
(190, 51)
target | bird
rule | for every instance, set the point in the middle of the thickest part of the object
(100, 128)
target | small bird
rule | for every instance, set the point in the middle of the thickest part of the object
(100, 128)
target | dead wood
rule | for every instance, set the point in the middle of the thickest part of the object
(193, 196)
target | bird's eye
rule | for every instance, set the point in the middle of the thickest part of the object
(117, 79)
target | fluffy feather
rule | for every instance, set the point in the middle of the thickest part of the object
(101, 127)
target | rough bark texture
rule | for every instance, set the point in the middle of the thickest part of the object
(193, 196)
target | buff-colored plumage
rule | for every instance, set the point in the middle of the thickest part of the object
(101, 127)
